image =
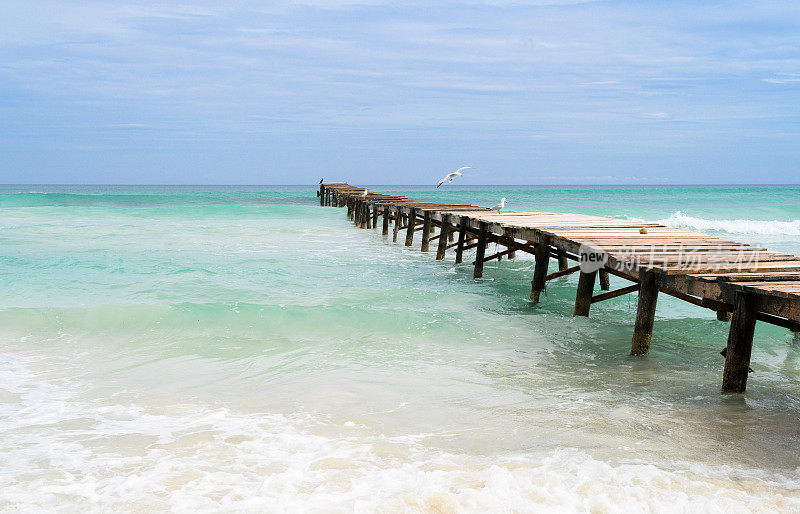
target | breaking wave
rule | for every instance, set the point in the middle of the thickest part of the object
(734, 226)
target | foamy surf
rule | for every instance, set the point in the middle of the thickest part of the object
(734, 226)
(65, 450)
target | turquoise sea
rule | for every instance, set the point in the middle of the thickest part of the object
(241, 348)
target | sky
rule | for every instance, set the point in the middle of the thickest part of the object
(399, 92)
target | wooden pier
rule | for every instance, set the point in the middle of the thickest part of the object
(742, 283)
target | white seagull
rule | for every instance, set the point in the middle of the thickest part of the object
(450, 176)
(499, 205)
(364, 194)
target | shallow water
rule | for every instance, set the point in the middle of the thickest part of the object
(243, 348)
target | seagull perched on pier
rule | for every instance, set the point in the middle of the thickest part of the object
(320, 180)
(499, 205)
(364, 194)
(450, 176)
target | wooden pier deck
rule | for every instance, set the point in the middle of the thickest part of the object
(742, 283)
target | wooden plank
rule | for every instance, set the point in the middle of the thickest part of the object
(613, 294)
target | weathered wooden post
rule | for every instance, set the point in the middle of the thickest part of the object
(542, 256)
(397, 220)
(508, 232)
(563, 263)
(480, 251)
(462, 235)
(740, 344)
(412, 221)
(645, 312)
(374, 216)
(426, 231)
(444, 234)
(583, 296)
(321, 195)
(605, 282)
(350, 208)
(385, 230)
(367, 216)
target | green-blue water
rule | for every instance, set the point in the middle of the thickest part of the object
(243, 348)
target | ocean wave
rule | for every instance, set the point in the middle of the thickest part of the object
(733, 226)
(62, 449)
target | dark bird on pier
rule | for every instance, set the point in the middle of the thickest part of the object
(320, 180)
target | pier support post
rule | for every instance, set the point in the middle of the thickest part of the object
(444, 234)
(605, 282)
(645, 312)
(542, 257)
(462, 235)
(412, 221)
(480, 251)
(563, 263)
(321, 195)
(367, 216)
(397, 220)
(510, 233)
(426, 232)
(350, 209)
(375, 216)
(740, 344)
(385, 230)
(583, 296)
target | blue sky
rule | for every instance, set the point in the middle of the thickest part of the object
(399, 92)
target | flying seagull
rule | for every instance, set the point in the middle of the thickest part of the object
(499, 205)
(450, 176)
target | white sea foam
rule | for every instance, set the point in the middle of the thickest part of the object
(734, 226)
(63, 449)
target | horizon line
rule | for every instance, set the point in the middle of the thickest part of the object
(736, 184)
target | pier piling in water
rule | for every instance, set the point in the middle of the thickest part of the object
(741, 283)
(645, 312)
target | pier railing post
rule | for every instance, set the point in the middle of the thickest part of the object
(480, 250)
(740, 344)
(645, 312)
(462, 235)
(426, 231)
(385, 230)
(412, 221)
(441, 248)
(542, 257)
(583, 296)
